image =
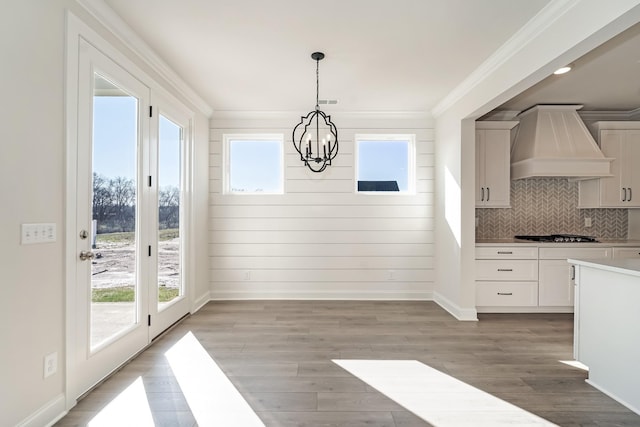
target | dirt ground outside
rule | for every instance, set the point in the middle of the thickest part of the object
(114, 265)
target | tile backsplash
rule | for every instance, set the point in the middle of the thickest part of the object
(548, 206)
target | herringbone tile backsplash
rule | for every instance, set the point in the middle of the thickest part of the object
(548, 206)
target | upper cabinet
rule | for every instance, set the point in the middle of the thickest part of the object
(620, 141)
(493, 164)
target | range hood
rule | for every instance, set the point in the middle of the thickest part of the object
(553, 141)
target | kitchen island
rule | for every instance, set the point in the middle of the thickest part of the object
(607, 326)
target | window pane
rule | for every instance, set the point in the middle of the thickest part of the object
(169, 163)
(383, 165)
(113, 272)
(255, 166)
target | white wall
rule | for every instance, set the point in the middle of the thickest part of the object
(32, 189)
(319, 239)
(561, 33)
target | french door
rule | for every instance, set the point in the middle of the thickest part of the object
(130, 222)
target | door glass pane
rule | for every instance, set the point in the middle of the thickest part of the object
(169, 199)
(113, 270)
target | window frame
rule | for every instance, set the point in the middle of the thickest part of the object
(226, 143)
(410, 139)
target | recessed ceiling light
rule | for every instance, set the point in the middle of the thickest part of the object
(563, 70)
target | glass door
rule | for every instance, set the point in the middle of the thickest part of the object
(169, 151)
(110, 300)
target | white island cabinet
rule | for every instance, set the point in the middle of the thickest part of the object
(607, 328)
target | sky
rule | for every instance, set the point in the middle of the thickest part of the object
(114, 149)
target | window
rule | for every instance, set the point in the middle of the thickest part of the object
(254, 164)
(385, 163)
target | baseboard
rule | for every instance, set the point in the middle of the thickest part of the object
(346, 295)
(524, 309)
(201, 301)
(613, 396)
(47, 415)
(464, 314)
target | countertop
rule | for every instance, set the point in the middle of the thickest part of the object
(630, 266)
(503, 242)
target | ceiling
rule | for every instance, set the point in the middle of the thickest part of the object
(605, 79)
(254, 55)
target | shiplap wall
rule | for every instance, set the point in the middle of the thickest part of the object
(320, 240)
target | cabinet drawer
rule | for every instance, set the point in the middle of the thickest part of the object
(507, 252)
(575, 253)
(501, 294)
(626, 252)
(506, 270)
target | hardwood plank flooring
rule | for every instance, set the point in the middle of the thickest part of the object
(280, 356)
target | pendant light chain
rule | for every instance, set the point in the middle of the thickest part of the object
(317, 84)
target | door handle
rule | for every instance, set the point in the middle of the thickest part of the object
(85, 255)
(488, 194)
(624, 192)
(630, 194)
(482, 194)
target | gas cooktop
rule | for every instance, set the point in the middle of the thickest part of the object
(559, 238)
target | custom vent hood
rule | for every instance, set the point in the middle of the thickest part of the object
(553, 141)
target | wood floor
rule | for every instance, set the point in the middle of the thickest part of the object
(279, 356)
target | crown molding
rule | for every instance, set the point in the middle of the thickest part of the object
(123, 32)
(610, 115)
(532, 29)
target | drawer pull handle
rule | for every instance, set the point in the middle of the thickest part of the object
(505, 269)
(505, 293)
(505, 252)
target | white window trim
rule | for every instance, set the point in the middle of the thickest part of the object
(411, 166)
(226, 152)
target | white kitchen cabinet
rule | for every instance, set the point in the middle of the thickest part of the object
(507, 276)
(620, 141)
(493, 164)
(628, 252)
(555, 276)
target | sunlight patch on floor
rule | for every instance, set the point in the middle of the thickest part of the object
(130, 407)
(212, 398)
(575, 364)
(438, 398)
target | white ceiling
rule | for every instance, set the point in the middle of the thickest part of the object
(254, 55)
(605, 79)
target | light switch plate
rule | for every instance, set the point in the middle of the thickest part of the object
(38, 233)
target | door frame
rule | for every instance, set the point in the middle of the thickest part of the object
(76, 30)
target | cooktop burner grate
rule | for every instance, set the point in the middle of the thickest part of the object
(559, 238)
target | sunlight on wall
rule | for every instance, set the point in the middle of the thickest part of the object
(212, 398)
(436, 397)
(452, 204)
(129, 408)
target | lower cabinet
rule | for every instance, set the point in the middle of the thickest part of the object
(532, 279)
(507, 294)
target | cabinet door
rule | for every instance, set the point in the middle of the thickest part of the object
(555, 286)
(497, 167)
(480, 162)
(612, 192)
(631, 171)
(629, 252)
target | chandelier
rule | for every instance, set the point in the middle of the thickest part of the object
(315, 138)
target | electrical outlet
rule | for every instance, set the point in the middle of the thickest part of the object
(587, 222)
(50, 364)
